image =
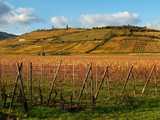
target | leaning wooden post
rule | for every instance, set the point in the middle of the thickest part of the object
(134, 84)
(0, 75)
(108, 83)
(84, 82)
(1, 88)
(53, 83)
(62, 101)
(148, 79)
(30, 79)
(71, 101)
(19, 77)
(91, 84)
(73, 80)
(96, 82)
(39, 85)
(100, 85)
(156, 85)
(128, 76)
(19, 68)
(22, 91)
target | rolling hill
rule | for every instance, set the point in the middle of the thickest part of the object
(104, 40)
(4, 35)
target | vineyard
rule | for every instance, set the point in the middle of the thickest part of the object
(75, 83)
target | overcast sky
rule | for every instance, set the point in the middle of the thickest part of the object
(20, 16)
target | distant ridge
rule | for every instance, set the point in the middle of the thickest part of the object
(4, 35)
(76, 41)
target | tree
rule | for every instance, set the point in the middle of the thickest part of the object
(53, 27)
(67, 27)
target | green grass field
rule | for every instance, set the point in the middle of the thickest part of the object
(113, 106)
(144, 108)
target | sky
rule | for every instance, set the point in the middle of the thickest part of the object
(21, 16)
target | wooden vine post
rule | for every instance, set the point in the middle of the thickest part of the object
(148, 79)
(84, 82)
(107, 80)
(30, 79)
(134, 84)
(2, 88)
(91, 84)
(53, 83)
(127, 79)
(21, 86)
(156, 84)
(101, 83)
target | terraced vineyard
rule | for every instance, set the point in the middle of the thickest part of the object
(107, 40)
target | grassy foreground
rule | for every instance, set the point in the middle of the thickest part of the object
(115, 108)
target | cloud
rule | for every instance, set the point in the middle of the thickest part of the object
(11, 16)
(23, 16)
(154, 25)
(59, 21)
(120, 18)
(4, 8)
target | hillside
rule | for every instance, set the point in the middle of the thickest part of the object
(106, 40)
(4, 35)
